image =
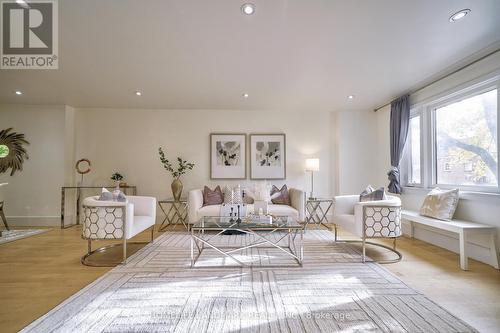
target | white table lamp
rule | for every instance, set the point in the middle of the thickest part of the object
(312, 164)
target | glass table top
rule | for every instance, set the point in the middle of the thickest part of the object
(252, 223)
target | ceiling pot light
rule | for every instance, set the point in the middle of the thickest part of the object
(459, 15)
(248, 8)
(138, 93)
(18, 92)
(245, 95)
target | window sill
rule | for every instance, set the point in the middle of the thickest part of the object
(464, 195)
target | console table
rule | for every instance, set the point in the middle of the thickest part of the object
(127, 188)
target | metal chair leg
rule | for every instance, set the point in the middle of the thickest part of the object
(2, 215)
(394, 243)
(152, 234)
(335, 226)
(364, 249)
(124, 251)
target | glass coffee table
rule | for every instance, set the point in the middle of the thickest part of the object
(282, 233)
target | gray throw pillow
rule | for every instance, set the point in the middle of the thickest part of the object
(373, 195)
(119, 196)
(283, 198)
(214, 197)
(105, 195)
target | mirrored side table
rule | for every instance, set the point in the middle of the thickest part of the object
(175, 213)
(317, 210)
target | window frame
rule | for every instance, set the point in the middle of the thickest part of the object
(428, 152)
(417, 112)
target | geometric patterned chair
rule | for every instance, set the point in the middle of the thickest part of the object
(107, 220)
(369, 219)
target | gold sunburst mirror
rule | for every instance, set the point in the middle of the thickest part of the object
(12, 151)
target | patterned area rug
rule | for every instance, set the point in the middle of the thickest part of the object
(12, 235)
(157, 291)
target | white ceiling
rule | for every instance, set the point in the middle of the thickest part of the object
(303, 55)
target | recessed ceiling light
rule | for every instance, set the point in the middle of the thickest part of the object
(350, 97)
(248, 8)
(138, 93)
(459, 15)
(18, 92)
(245, 95)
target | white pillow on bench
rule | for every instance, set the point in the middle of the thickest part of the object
(440, 204)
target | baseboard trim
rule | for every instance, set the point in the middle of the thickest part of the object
(34, 221)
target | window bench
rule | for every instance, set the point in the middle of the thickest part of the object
(462, 228)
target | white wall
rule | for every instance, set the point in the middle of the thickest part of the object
(472, 207)
(357, 151)
(33, 195)
(127, 141)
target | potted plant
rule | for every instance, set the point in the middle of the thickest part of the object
(117, 178)
(183, 167)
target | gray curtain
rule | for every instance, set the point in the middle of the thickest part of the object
(400, 120)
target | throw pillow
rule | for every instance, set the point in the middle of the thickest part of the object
(369, 189)
(105, 195)
(214, 197)
(280, 196)
(232, 195)
(119, 196)
(247, 197)
(373, 195)
(440, 204)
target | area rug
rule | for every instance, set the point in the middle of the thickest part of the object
(12, 235)
(157, 291)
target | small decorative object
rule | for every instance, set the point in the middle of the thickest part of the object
(267, 156)
(261, 194)
(183, 167)
(117, 177)
(81, 168)
(312, 164)
(12, 151)
(227, 156)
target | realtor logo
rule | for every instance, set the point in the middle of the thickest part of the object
(29, 34)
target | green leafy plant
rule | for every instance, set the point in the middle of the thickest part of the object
(183, 167)
(116, 177)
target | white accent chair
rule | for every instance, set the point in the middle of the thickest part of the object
(104, 220)
(370, 219)
(2, 200)
(196, 210)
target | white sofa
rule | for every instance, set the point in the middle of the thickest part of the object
(370, 219)
(196, 209)
(103, 220)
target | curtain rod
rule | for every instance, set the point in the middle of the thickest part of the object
(442, 77)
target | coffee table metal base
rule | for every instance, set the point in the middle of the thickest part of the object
(200, 240)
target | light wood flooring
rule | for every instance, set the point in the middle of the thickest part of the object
(39, 272)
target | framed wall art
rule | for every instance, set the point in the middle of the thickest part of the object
(228, 156)
(267, 156)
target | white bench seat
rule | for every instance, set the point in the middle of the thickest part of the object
(462, 228)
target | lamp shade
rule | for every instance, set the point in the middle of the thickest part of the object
(312, 164)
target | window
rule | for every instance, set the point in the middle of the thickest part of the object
(466, 134)
(413, 153)
(453, 140)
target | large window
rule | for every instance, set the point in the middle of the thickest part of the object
(466, 141)
(453, 141)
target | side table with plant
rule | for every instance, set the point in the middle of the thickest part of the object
(183, 167)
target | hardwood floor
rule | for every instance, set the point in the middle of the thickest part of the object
(39, 272)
